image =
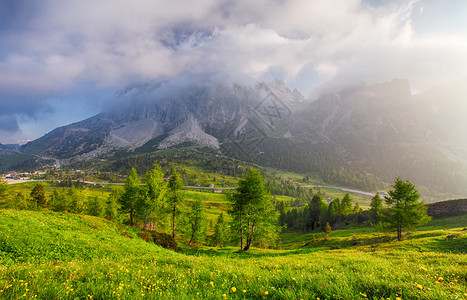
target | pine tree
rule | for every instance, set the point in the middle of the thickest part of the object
(315, 207)
(131, 194)
(38, 194)
(96, 207)
(221, 232)
(154, 190)
(405, 210)
(3, 188)
(174, 196)
(252, 209)
(376, 207)
(333, 211)
(346, 205)
(60, 200)
(113, 205)
(197, 222)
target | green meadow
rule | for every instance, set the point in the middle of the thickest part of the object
(56, 255)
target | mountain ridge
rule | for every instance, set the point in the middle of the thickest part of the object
(348, 137)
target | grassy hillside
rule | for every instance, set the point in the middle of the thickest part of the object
(49, 255)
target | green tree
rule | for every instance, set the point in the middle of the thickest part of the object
(154, 189)
(252, 209)
(221, 232)
(96, 207)
(405, 209)
(113, 205)
(60, 200)
(17, 202)
(78, 199)
(346, 205)
(3, 188)
(197, 222)
(174, 196)
(333, 211)
(130, 197)
(376, 207)
(38, 194)
(315, 208)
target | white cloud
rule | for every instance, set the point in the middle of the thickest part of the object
(112, 43)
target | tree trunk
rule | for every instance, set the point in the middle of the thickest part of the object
(399, 233)
(241, 232)
(191, 239)
(132, 223)
(173, 221)
(249, 239)
(248, 244)
(145, 221)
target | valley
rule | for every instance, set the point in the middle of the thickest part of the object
(299, 149)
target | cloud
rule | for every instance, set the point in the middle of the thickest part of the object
(59, 46)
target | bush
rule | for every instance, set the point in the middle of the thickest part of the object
(165, 240)
(147, 236)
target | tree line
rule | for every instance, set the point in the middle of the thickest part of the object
(256, 218)
(403, 210)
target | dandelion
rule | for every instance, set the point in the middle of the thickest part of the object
(211, 283)
(440, 279)
(398, 298)
(266, 293)
(419, 286)
(233, 289)
(244, 291)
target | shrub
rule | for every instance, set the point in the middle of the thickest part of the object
(165, 240)
(146, 236)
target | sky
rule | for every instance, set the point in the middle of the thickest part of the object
(61, 61)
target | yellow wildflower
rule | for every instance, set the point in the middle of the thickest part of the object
(266, 293)
(419, 286)
(233, 289)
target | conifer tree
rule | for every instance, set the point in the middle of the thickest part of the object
(113, 204)
(129, 200)
(197, 222)
(38, 194)
(3, 188)
(405, 210)
(252, 209)
(154, 190)
(221, 232)
(174, 196)
(376, 207)
(346, 205)
(315, 208)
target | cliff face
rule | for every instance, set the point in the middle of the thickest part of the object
(199, 115)
(348, 137)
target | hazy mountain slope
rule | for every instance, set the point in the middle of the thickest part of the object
(385, 130)
(352, 137)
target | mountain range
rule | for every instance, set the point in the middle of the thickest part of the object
(361, 136)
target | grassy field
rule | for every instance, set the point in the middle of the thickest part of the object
(48, 255)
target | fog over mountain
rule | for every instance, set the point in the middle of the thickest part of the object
(360, 136)
(61, 61)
